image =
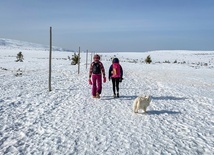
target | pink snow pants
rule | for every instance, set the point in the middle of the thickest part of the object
(96, 84)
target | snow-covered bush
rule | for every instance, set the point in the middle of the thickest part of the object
(148, 59)
(19, 57)
(75, 59)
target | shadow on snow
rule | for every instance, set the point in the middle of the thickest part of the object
(156, 112)
(168, 98)
(121, 97)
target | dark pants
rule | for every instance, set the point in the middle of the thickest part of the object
(115, 83)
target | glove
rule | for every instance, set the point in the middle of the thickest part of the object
(89, 81)
(104, 79)
(120, 80)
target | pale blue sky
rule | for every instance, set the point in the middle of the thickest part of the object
(111, 25)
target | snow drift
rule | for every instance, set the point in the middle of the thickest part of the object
(180, 118)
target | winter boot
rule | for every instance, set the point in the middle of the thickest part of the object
(118, 95)
(97, 95)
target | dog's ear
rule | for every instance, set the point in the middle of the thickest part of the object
(148, 97)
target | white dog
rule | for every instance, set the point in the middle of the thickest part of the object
(141, 102)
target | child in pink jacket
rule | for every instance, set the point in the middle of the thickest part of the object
(116, 75)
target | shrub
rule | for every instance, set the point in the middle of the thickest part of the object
(75, 59)
(18, 72)
(19, 57)
(148, 59)
(166, 61)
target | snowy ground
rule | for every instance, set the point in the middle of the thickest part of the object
(180, 119)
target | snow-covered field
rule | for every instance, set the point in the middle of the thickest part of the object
(67, 120)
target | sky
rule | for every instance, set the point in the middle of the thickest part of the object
(111, 25)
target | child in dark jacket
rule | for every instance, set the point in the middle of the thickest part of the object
(116, 75)
(96, 73)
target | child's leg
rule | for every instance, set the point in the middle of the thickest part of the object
(99, 83)
(113, 84)
(117, 81)
(94, 85)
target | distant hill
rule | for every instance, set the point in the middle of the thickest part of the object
(17, 44)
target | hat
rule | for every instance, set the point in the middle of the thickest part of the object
(115, 60)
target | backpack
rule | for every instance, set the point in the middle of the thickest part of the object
(96, 68)
(116, 70)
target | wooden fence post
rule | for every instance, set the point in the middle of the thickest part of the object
(86, 59)
(91, 57)
(79, 61)
(50, 57)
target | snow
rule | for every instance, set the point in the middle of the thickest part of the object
(67, 120)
